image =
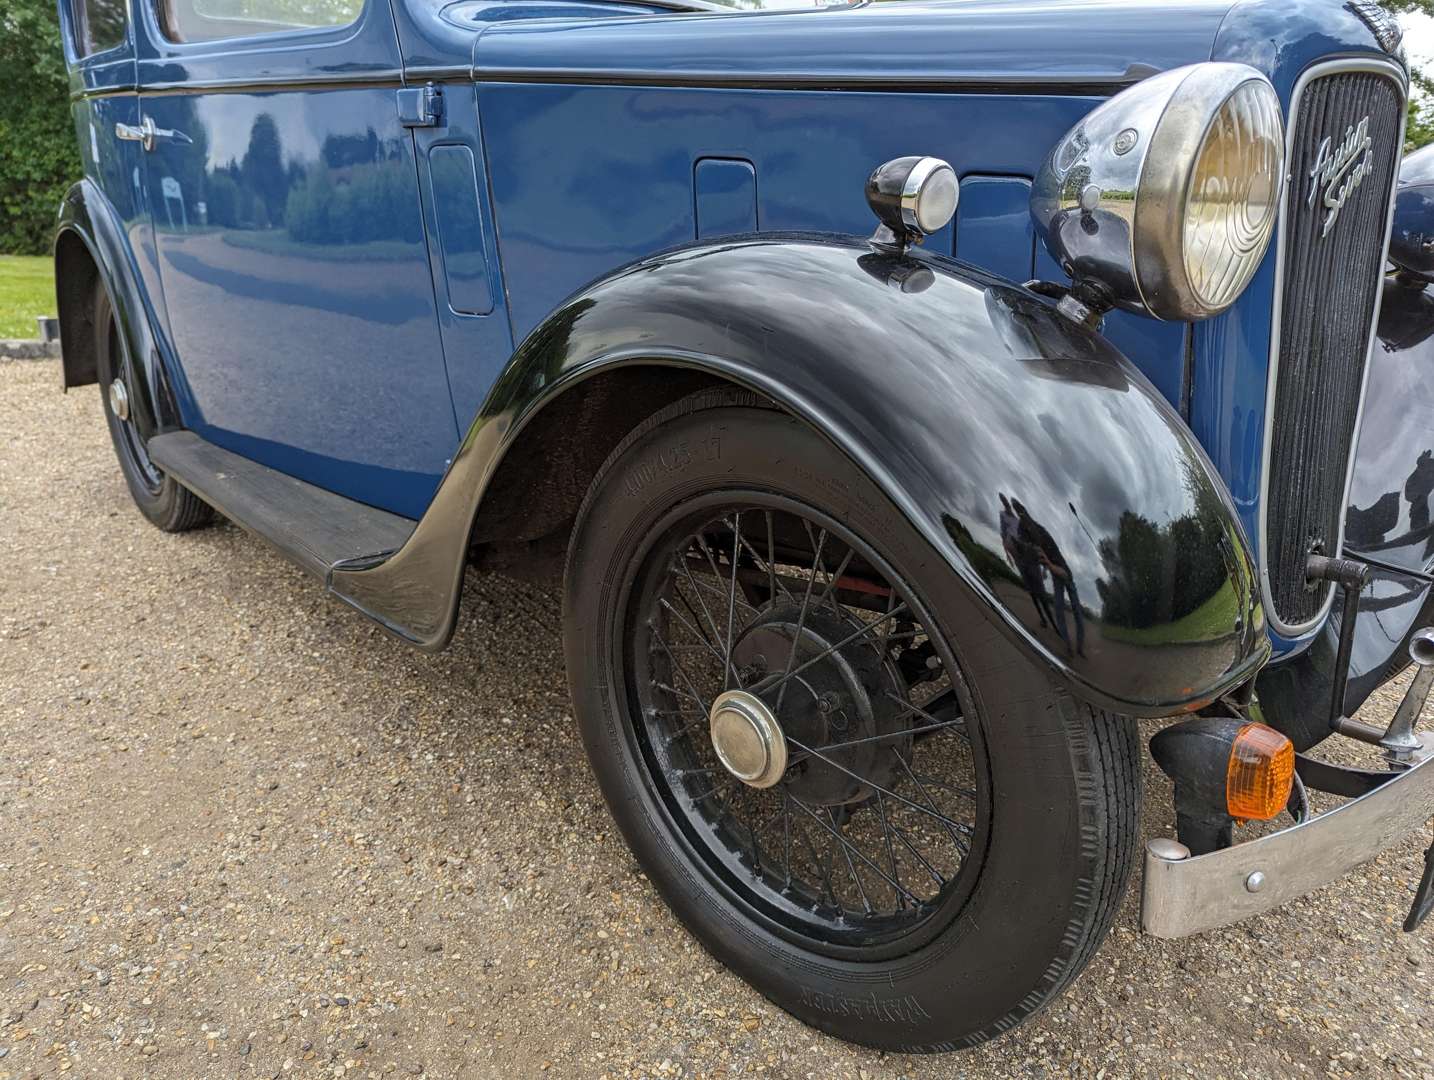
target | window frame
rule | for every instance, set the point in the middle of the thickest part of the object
(79, 20)
(269, 32)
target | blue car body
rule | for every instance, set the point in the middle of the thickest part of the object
(328, 270)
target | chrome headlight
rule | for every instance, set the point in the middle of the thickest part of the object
(1162, 200)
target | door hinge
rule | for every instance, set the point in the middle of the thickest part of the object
(420, 106)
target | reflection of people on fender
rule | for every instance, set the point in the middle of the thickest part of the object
(1026, 558)
(1034, 535)
(1417, 490)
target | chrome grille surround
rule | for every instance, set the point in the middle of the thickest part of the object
(1283, 567)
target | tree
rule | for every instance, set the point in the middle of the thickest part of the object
(263, 168)
(1419, 127)
(40, 160)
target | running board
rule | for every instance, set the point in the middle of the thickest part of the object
(310, 526)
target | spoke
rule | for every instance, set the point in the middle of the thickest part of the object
(683, 711)
(961, 845)
(822, 867)
(843, 643)
(787, 834)
(891, 603)
(687, 572)
(874, 785)
(836, 577)
(922, 778)
(752, 842)
(701, 583)
(801, 623)
(917, 710)
(696, 624)
(888, 735)
(732, 593)
(935, 874)
(671, 739)
(855, 851)
(714, 789)
(726, 659)
(677, 665)
(774, 581)
(850, 866)
(700, 635)
(674, 690)
(890, 851)
(767, 565)
(932, 722)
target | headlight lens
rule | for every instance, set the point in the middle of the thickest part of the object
(1234, 196)
(1163, 199)
(930, 199)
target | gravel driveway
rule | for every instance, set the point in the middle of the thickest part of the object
(242, 833)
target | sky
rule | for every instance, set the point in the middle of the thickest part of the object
(1419, 39)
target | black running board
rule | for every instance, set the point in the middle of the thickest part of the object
(314, 528)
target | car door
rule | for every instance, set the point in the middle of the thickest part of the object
(99, 51)
(291, 241)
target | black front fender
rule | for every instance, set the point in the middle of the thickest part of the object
(951, 388)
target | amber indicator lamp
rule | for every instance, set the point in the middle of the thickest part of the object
(1226, 769)
(1260, 774)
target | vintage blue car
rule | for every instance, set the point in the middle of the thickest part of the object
(906, 395)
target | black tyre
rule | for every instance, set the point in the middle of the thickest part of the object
(160, 498)
(948, 838)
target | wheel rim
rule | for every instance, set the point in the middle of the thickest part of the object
(127, 435)
(747, 612)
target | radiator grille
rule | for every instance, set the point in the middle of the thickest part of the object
(1333, 264)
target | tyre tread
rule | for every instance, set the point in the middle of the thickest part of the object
(1105, 749)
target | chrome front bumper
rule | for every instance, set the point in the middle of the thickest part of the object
(1186, 895)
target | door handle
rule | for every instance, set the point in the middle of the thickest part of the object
(146, 134)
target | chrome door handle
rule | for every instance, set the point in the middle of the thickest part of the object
(146, 134)
(142, 133)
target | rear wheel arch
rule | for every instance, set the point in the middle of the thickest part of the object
(77, 276)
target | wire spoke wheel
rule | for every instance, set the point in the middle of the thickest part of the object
(800, 717)
(159, 498)
(128, 440)
(807, 730)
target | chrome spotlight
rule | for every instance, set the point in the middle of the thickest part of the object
(1162, 201)
(912, 197)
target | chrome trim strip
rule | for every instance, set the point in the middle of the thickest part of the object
(1186, 896)
(1309, 75)
(377, 79)
(1100, 87)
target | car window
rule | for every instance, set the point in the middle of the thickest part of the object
(99, 25)
(209, 20)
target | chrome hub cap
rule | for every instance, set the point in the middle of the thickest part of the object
(748, 740)
(119, 400)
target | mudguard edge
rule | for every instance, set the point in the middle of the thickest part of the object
(951, 388)
(85, 214)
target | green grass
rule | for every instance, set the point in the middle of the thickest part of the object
(27, 289)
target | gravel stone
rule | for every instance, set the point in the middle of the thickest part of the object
(238, 798)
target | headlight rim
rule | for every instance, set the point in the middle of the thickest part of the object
(1126, 245)
(1175, 146)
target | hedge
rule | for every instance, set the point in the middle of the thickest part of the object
(36, 122)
